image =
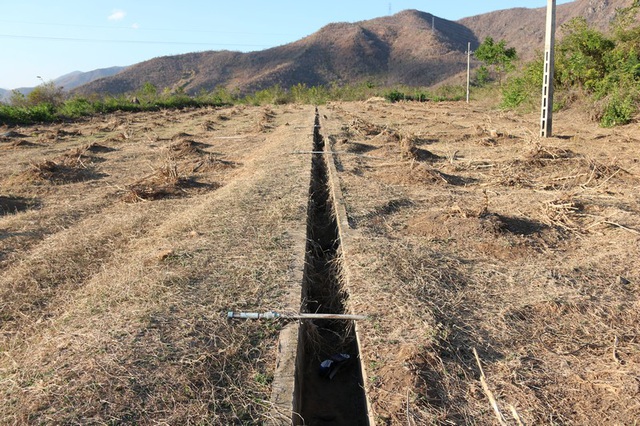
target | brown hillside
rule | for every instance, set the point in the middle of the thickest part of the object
(395, 49)
(398, 49)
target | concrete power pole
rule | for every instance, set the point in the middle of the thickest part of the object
(468, 69)
(546, 117)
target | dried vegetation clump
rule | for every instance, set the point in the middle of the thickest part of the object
(410, 151)
(75, 165)
(185, 147)
(265, 120)
(166, 182)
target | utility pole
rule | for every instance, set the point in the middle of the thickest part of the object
(468, 69)
(546, 117)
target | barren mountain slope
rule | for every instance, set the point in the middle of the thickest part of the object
(398, 49)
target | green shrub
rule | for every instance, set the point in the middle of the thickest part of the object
(524, 90)
(274, 95)
(27, 114)
(395, 96)
(449, 93)
(619, 108)
(583, 56)
(77, 107)
(602, 70)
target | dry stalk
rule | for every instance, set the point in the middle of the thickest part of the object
(633, 231)
(515, 415)
(488, 393)
(616, 358)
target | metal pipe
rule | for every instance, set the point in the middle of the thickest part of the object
(275, 315)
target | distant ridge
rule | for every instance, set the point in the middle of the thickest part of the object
(78, 78)
(68, 81)
(398, 49)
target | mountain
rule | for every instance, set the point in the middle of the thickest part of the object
(394, 49)
(78, 78)
(398, 49)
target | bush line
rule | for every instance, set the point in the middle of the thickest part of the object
(48, 104)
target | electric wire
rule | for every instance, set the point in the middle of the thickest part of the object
(90, 40)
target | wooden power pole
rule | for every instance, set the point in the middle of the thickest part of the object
(546, 117)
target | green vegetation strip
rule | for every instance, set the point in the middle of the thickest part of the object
(48, 103)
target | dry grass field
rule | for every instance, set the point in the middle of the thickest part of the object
(472, 232)
(124, 240)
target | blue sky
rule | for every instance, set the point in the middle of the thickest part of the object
(52, 38)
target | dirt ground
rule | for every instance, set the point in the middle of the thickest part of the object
(125, 238)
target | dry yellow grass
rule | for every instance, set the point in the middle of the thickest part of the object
(525, 249)
(114, 312)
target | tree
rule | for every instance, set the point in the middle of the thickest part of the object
(46, 93)
(496, 56)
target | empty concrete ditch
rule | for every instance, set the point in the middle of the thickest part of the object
(329, 379)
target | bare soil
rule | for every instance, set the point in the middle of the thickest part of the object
(124, 239)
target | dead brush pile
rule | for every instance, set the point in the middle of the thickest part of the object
(541, 155)
(409, 149)
(488, 136)
(59, 134)
(208, 126)
(166, 182)
(212, 163)
(554, 168)
(361, 127)
(416, 173)
(16, 144)
(265, 122)
(68, 168)
(7, 136)
(565, 213)
(96, 148)
(185, 147)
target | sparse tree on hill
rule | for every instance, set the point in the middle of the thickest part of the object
(497, 57)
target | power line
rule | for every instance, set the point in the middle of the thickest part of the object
(120, 27)
(89, 40)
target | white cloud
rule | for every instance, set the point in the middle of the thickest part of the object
(117, 15)
(135, 26)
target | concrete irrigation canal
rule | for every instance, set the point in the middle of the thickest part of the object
(319, 376)
(329, 376)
